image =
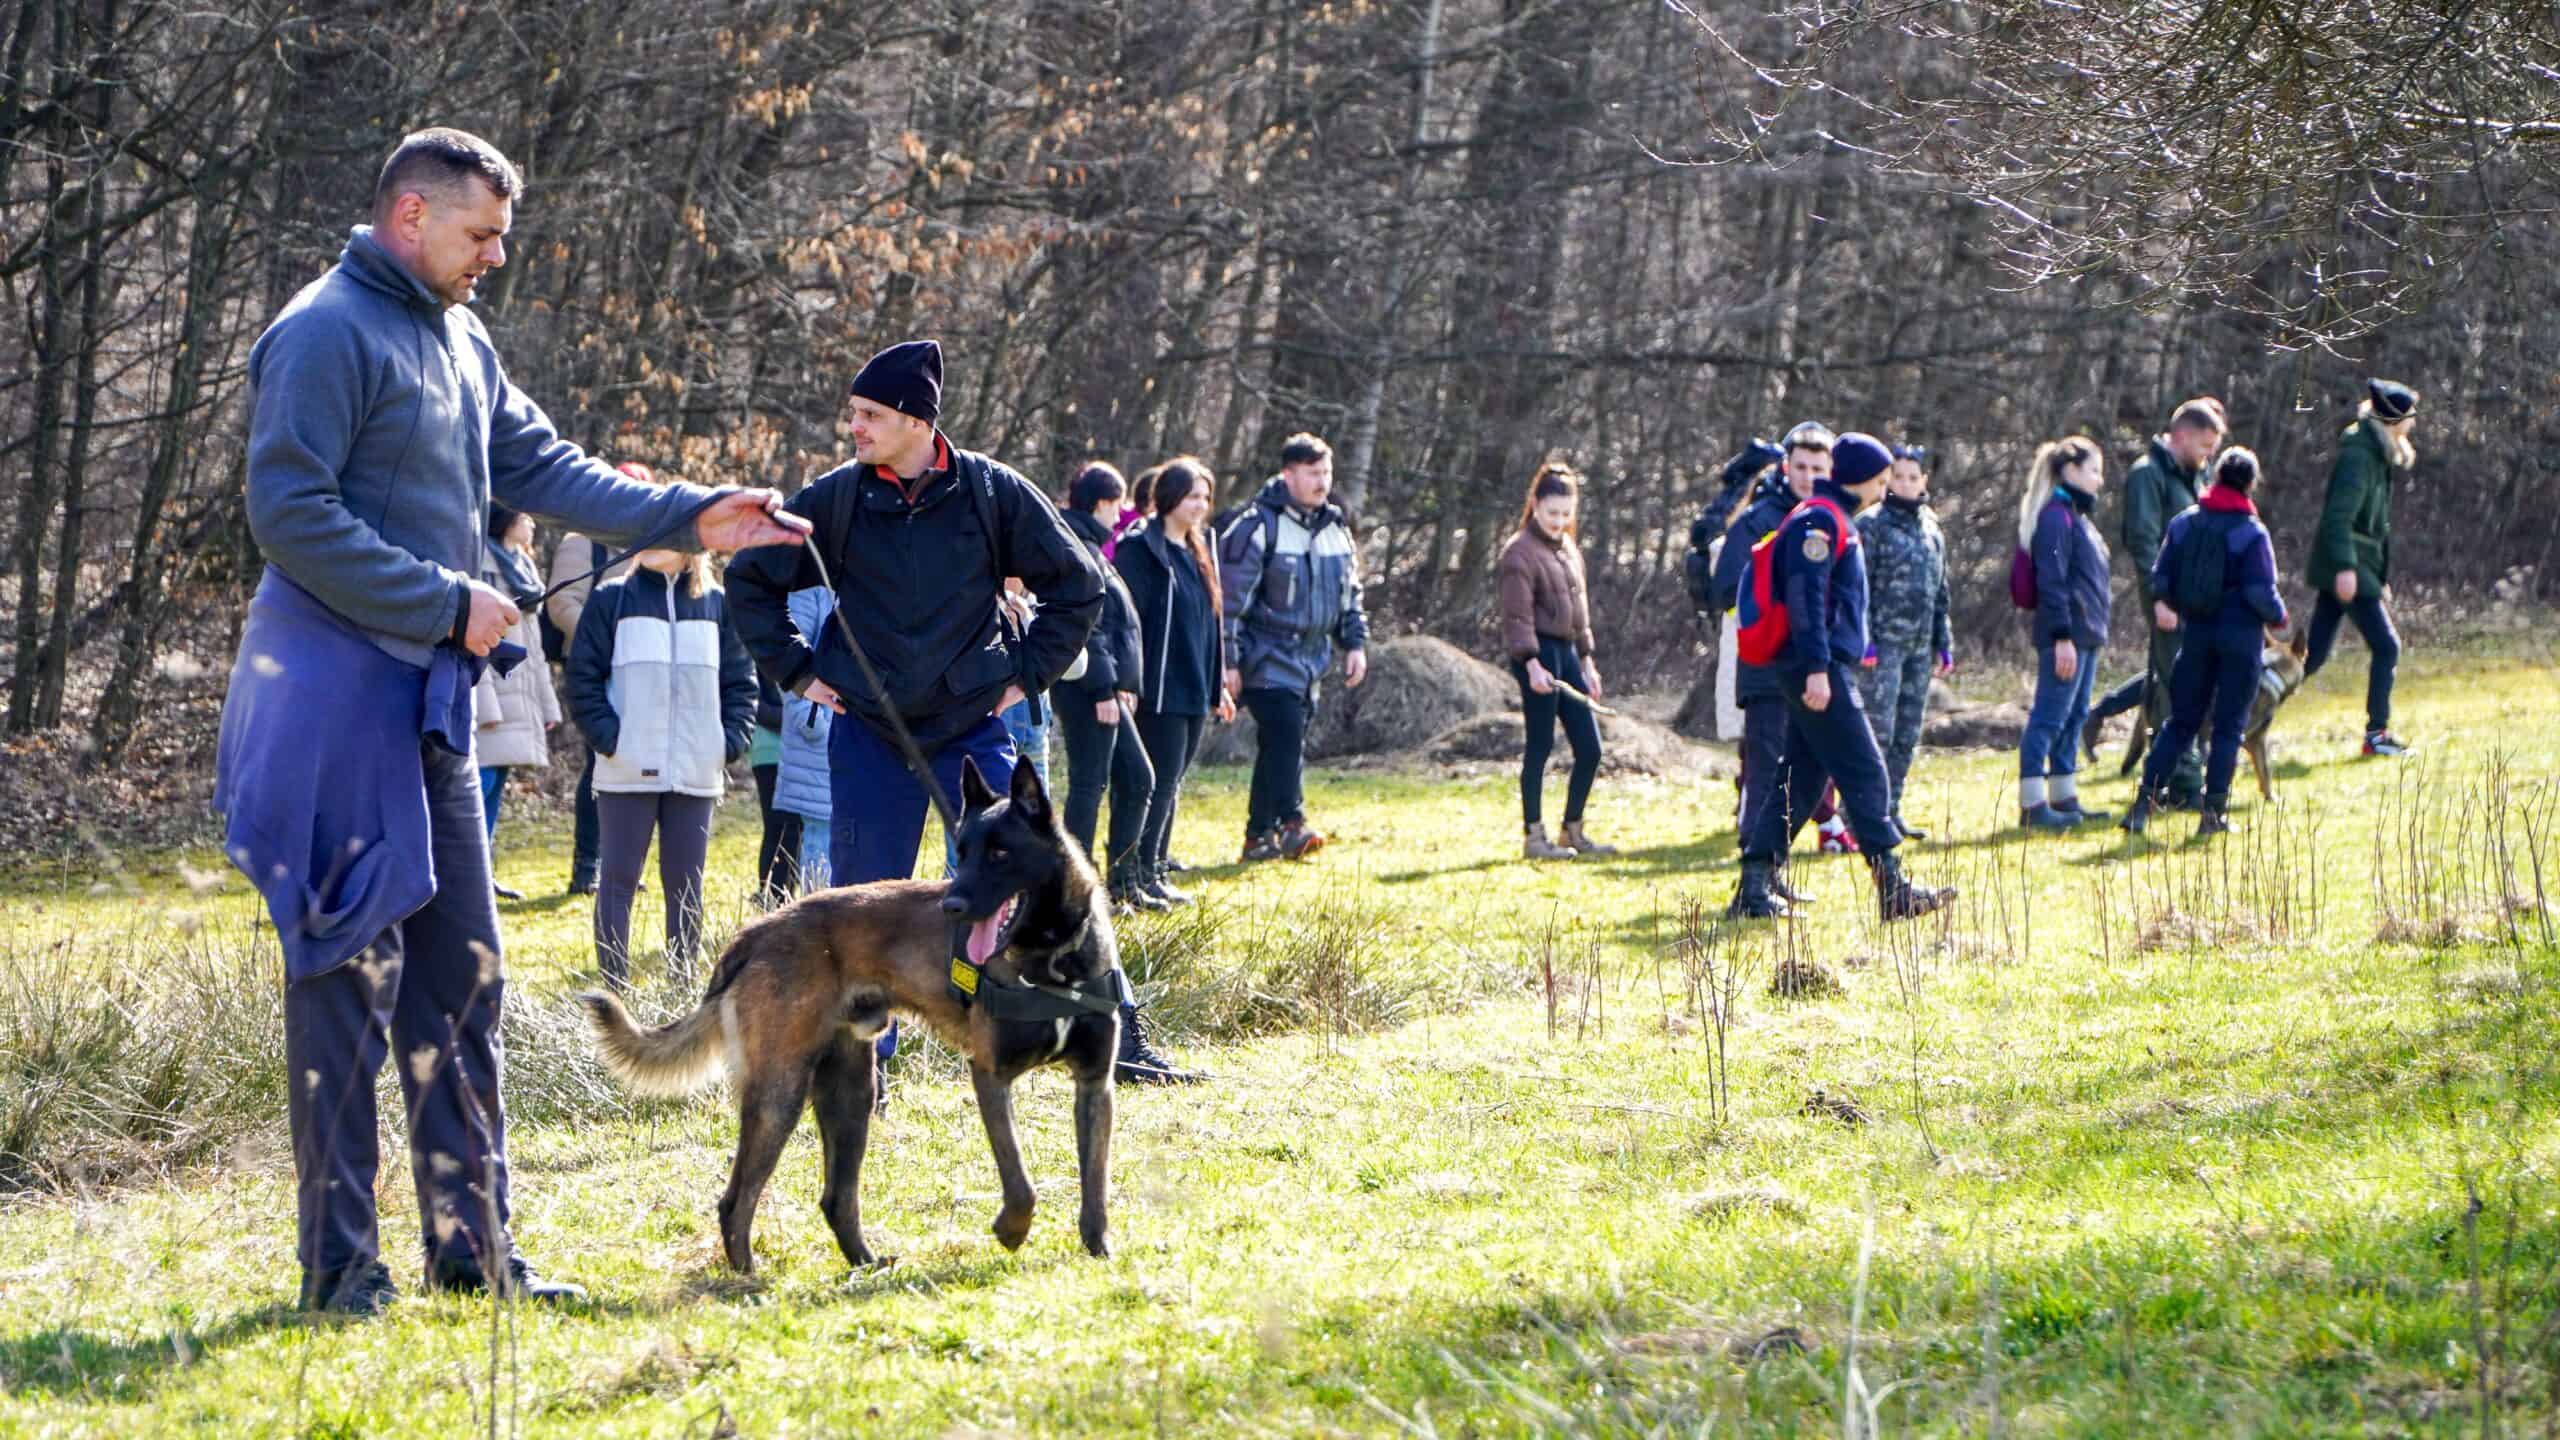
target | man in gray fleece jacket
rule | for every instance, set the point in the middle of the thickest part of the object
(381, 425)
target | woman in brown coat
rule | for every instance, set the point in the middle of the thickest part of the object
(1546, 626)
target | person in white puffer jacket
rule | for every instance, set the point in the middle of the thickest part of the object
(512, 714)
(666, 695)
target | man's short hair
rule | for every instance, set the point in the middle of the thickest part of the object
(440, 159)
(2202, 413)
(1303, 449)
(1811, 435)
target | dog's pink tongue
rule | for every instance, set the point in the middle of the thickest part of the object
(982, 938)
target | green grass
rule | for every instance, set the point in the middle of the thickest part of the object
(2159, 1140)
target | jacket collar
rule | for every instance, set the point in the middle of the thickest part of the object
(2223, 500)
(2167, 460)
(373, 267)
(913, 490)
(1275, 494)
(2079, 499)
(1826, 489)
(1091, 531)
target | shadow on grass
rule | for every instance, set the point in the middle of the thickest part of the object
(65, 1361)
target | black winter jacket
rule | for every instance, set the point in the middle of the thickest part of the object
(918, 578)
(1113, 659)
(1185, 646)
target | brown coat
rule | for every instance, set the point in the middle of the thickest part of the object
(1542, 594)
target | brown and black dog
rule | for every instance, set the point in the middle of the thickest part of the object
(801, 994)
(2283, 677)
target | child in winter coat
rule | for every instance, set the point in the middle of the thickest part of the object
(2215, 578)
(802, 786)
(1909, 638)
(512, 713)
(2068, 627)
(663, 689)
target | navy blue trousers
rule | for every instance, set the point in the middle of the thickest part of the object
(879, 804)
(429, 991)
(1764, 828)
(2373, 622)
(2217, 673)
(1824, 747)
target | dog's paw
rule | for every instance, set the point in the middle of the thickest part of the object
(1012, 1229)
(1097, 1245)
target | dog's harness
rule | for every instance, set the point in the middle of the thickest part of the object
(1026, 1001)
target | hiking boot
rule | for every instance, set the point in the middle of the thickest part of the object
(1753, 899)
(1154, 884)
(358, 1292)
(2140, 815)
(1130, 890)
(1140, 1063)
(1265, 846)
(2080, 816)
(2045, 817)
(1534, 845)
(2214, 821)
(1298, 840)
(1909, 830)
(1782, 888)
(1837, 842)
(1896, 897)
(2384, 743)
(1173, 866)
(1582, 845)
(581, 885)
(517, 1280)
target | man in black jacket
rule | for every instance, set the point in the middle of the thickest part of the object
(919, 536)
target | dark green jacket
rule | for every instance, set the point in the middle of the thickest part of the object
(2355, 521)
(2155, 489)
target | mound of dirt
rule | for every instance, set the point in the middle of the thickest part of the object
(1796, 979)
(1996, 725)
(1417, 688)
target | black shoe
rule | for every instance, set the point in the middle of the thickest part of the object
(358, 1292)
(2140, 815)
(1896, 897)
(518, 1280)
(2213, 822)
(581, 886)
(1909, 830)
(1140, 1063)
(503, 893)
(1258, 848)
(1174, 866)
(1780, 888)
(1155, 885)
(2080, 816)
(1754, 899)
(1129, 890)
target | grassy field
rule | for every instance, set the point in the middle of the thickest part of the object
(2139, 1139)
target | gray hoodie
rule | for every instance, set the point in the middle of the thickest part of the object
(380, 426)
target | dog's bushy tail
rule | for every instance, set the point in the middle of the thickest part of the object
(671, 1060)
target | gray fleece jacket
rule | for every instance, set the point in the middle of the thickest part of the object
(380, 426)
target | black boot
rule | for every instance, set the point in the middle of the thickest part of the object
(1129, 890)
(1909, 830)
(2140, 814)
(1140, 1063)
(517, 1280)
(1781, 888)
(1154, 884)
(1896, 897)
(1753, 899)
(359, 1292)
(2214, 821)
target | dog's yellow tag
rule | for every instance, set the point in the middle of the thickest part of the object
(964, 976)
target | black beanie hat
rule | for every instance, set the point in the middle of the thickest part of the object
(905, 377)
(1858, 458)
(2391, 399)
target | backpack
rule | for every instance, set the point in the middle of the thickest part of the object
(2204, 555)
(1697, 568)
(2022, 569)
(1223, 525)
(1762, 626)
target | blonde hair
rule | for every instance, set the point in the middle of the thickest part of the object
(2402, 451)
(2044, 473)
(699, 576)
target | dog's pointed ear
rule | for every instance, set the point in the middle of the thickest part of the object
(975, 792)
(1030, 797)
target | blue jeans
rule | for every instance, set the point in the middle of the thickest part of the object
(879, 807)
(1030, 742)
(815, 838)
(2051, 745)
(493, 785)
(2373, 621)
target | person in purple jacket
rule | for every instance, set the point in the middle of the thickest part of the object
(381, 429)
(2216, 579)
(2068, 627)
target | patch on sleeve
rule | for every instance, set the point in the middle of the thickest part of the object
(1817, 545)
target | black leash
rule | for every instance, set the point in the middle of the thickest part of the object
(907, 747)
(688, 516)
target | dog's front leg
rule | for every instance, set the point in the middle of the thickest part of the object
(995, 1107)
(1093, 1158)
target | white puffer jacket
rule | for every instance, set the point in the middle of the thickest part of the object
(513, 713)
(662, 687)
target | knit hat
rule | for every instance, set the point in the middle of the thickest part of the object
(2391, 399)
(906, 377)
(1857, 458)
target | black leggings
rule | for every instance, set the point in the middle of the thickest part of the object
(2373, 622)
(1542, 712)
(778, 852)
(1171, 740)
(624, 823)
(1103, 756)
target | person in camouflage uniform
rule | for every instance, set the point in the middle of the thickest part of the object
(1908, 634)
(2167, 480)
